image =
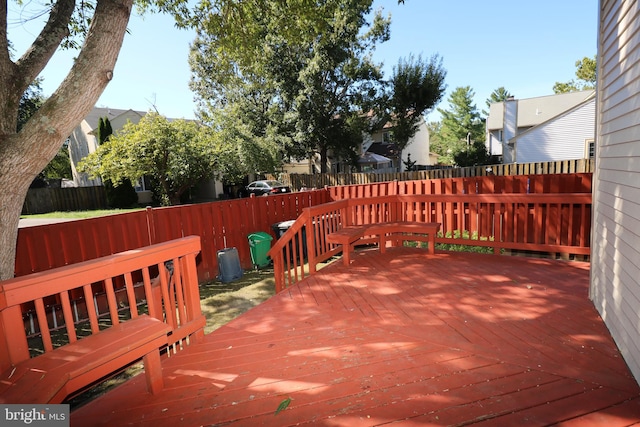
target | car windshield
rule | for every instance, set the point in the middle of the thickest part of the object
(274, 184)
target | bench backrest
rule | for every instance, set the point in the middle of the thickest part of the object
(44, 310)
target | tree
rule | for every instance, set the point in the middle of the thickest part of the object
(25, 153)
(97, 28)
(475, 153)
(240, 149)
(417, 85)
(104, 130)
(409, 164)
(438, 145)
(122, 195)
(302, 72)
(460, 136)
(60, 165)
(585, 77)
(175, 155)
(30, 101)
(498, 95)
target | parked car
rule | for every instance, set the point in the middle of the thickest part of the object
(266, 187)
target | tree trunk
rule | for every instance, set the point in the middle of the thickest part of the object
(23, 155)
(323, 159)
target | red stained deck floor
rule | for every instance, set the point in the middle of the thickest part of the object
(405, 338)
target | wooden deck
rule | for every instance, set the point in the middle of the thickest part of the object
(403, 337)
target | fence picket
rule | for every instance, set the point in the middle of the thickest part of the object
(299, 181)
(227, 223)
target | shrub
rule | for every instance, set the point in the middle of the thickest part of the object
(457, 234)
(121, 196)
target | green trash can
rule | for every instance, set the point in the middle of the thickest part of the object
(259, 244)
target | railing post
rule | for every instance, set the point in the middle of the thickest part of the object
(311, 247)
(191, 292)
(12, 336)
(345, 214)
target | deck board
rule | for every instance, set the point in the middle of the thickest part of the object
(403, 337)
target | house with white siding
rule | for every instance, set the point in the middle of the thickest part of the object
(83, 141)
(377, 154)
(542, 129)
(615, 247)
(568, 136)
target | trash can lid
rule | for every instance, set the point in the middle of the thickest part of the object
(284, 225)
(260, 235)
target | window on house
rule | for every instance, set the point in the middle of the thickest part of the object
(590, 149)
(386, 137)
(143, 184)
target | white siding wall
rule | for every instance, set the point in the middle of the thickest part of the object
(615, 265)
(81, 143)
(562, 138)
(494, 144)
(510, 130)
(418, 147)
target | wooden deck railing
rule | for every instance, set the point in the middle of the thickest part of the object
(521, 184)
(227, 223)
(60, 305)
(221, 224)
(548, 223)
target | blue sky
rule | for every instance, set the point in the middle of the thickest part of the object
(524, 46)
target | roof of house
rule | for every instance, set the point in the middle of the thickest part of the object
(111, 113)
(591, 98)
(386, 150)
(533, 111)
(367, 158)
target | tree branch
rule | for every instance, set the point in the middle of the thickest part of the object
(4, 42)
(81, 88)
(44, 46)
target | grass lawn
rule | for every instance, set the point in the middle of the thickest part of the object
(81, 214)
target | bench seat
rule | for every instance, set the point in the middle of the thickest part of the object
(345, 237)
(400, 230)
(405, 230)
(53, 376)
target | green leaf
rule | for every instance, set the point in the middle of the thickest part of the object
(283, 405)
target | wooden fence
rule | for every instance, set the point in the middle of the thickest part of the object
(220, 225)
(44, 200)
(300, 181)
(227, 223)
(521, 184)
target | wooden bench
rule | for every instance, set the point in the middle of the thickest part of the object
(397, 230)
(93, 319)
(54, 375)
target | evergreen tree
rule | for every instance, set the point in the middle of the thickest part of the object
(461, 134)
(101, 134)
(107, 126)
(409, 164)
(121, 195)
(498, 95)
